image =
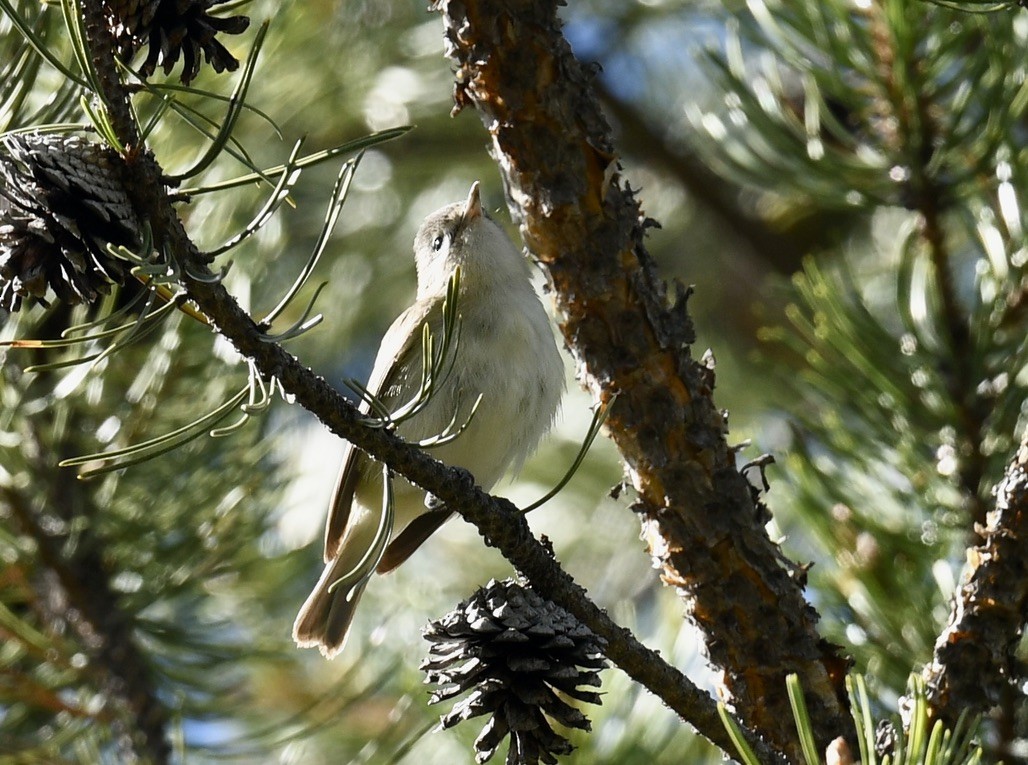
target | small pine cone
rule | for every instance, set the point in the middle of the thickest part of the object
(131, 17)
(173, 29)
(886, 738)
(517, 653)
(61, 203)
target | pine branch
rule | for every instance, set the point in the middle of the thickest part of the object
(778, 249)
(90, 606)
(915, 140)
(913, 135)
(974, 666)
(498, 520)
(699, 515)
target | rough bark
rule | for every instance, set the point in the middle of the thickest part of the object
(974, 666)
(631, 339)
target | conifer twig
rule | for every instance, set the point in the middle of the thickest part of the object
(911, 137)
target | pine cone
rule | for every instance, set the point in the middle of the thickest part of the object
(886, 738)
(171, 29)
(132, 17)
(61, 203)
(516, 651)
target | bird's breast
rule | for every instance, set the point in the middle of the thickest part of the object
(507, 355)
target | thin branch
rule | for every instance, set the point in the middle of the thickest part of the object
(911, 136)
(498, 520)
(906, 99)
(631, 338)
(779, 249)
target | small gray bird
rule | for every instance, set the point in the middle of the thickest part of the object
(505, 353)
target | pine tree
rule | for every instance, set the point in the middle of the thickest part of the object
(148, 578)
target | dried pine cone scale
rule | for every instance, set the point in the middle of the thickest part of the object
(516, 653)
(61, 203)
(175, 29)
(532, 738)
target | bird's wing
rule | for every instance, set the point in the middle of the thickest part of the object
(411, 538)
(386, 384)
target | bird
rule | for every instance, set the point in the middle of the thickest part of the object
(503, 387)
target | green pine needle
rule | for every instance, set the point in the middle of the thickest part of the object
(235, 108)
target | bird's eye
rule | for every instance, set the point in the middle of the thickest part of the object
(437, 243)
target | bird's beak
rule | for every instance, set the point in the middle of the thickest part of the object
(473, 207)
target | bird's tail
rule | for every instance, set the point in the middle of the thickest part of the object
(325, 618)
